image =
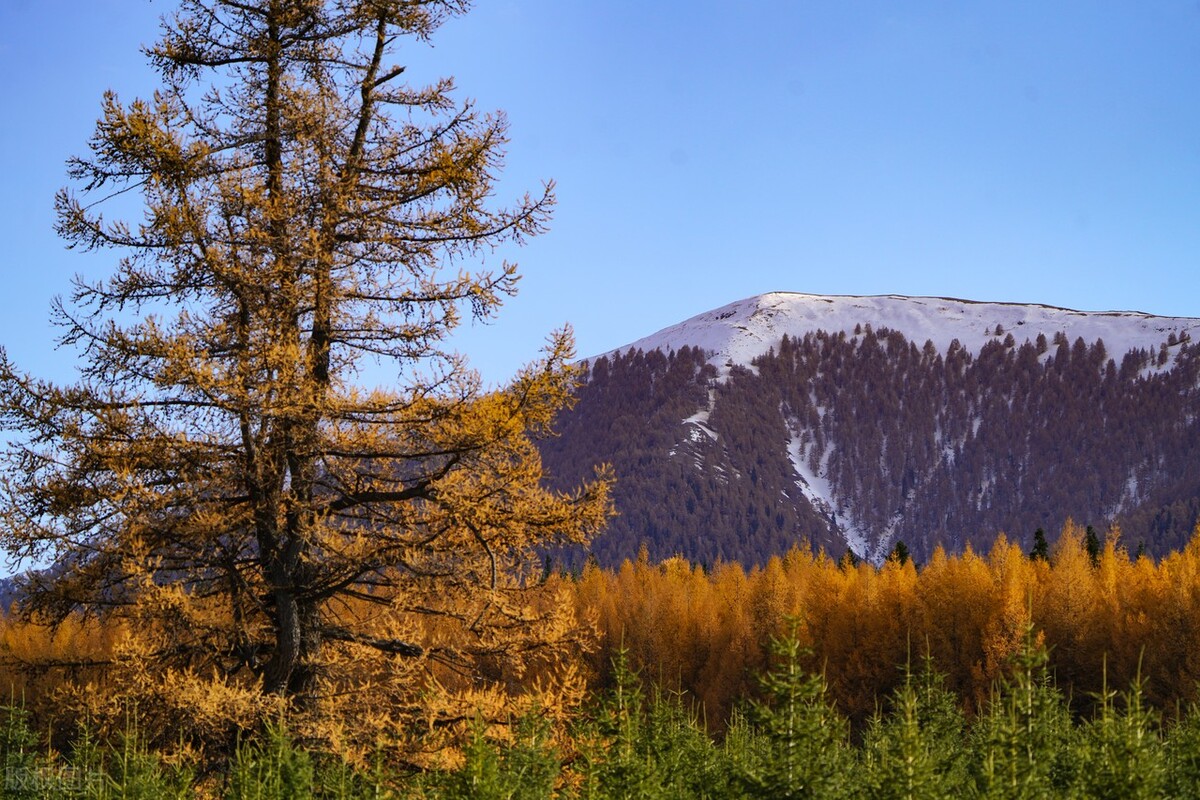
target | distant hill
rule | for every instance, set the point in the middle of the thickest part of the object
(858, 422)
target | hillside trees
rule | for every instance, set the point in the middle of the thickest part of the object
(928, 447)
(216, 479)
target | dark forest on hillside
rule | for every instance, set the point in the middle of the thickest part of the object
(917, 446)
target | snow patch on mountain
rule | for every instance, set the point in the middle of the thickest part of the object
(817, 490)
(738, 332)
(700, 418)
(698, 429)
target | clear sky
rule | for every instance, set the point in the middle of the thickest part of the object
(708, 151)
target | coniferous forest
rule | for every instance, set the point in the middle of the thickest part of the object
(251, 577)
(1006, 674)
(925, 447)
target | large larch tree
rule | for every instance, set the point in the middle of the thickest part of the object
(217, 481)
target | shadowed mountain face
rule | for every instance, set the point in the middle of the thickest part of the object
(769, 432)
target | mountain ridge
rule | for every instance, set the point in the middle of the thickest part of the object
(726, 331)
(857, 421)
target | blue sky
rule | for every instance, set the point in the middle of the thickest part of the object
(704, 152)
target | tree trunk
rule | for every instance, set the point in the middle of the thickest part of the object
(277, 675)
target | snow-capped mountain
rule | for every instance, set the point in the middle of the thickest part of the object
(857, 422)
(739, 332)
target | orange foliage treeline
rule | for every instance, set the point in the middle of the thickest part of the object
(705, 633)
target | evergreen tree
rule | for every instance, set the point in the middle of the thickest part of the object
(916, 751)
(850, 559)
(18, 747)
(799, 742)
(1041, 548)
(644, 748)
(1182, 755)
(1091, 543)
(1023, 744)
(273, 767)
(525, 768)
(1122, 755)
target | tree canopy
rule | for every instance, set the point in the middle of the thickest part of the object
(217, 479)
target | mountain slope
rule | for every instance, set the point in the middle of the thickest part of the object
(860, 421)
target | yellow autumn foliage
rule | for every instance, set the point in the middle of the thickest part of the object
(702, 633)
(707, 634)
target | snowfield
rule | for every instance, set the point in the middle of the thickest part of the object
(738, 332)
